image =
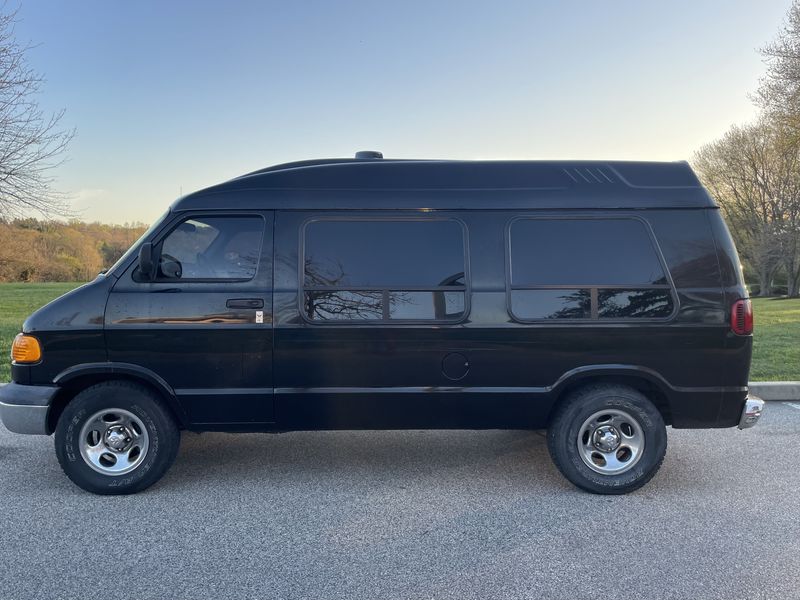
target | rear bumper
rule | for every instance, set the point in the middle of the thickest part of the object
(23, 408)
(751, 412)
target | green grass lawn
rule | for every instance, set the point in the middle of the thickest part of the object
(776, 349)
(777, 338)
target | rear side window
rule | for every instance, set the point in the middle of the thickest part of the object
(383, 270)
(212, 248)
(591, 269)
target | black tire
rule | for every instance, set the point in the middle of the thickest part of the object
(146, 407)
(568, 420)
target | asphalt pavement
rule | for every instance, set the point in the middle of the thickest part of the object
(411, 514)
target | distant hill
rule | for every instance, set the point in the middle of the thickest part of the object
(34, 250)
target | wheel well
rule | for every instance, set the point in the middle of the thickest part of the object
(653, 392)
(73, 387)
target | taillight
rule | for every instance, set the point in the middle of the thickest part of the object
(742, 317)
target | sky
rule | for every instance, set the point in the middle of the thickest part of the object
(170, 97)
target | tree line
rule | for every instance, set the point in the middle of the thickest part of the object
(753, 170)
(46, 250)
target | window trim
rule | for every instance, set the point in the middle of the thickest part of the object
(594, 319)
(466, 289)
(159, 241)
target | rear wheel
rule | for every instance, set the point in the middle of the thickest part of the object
(116, 438)
(607, 439)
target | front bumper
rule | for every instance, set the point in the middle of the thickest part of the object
(751, 413)
(23, 408)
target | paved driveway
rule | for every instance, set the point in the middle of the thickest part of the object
(430, 514)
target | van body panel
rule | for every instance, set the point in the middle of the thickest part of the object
(610, 198)
(71, 329)
(738, 349)
(454, 185)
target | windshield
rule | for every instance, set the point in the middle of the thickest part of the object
(134, 247)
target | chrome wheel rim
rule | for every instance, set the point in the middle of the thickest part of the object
(114, 441)
(610, 442)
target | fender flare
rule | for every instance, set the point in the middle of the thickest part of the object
(130, 371)
(630, 372)
(575, 375)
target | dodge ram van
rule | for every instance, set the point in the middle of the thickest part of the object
(602, 301)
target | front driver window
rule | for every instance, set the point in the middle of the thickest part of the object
(212, 248)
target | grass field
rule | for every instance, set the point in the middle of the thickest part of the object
(776, 349)
(777, 337)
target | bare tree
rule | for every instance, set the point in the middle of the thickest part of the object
(779, 90)
(31, 143)
(754, 174)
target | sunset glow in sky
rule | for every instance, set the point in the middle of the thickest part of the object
(174, 96)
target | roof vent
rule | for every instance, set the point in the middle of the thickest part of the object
(597, 174)
(369, 154)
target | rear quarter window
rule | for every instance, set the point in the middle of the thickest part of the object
(589, 269)
(686, 241)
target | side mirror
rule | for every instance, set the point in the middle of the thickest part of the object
(146, 265)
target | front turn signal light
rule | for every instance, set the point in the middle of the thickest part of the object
(26, 349)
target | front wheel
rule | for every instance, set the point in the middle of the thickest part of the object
(607, 439)
(116, 438)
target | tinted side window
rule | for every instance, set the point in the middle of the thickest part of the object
(383, 253)
(385, 270)
(586, 269)
(552, 304)
(621, 304)
(587, 252)
(209, 248)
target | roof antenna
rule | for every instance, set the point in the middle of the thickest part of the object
(364, 154)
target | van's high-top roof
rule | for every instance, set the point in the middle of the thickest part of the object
(377, 183)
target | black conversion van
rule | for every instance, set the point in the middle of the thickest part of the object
(599, 300)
